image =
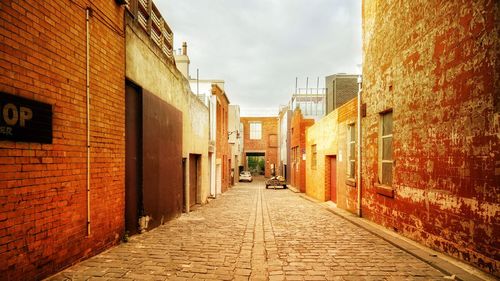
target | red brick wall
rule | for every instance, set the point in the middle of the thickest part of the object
(435, 64)
(222, 141)
(43, 199)
(269, 127)
(298, 141)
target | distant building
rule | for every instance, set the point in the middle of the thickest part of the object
(235, 143)
(260, 137)
(340, 88)
(284, 134)
(298, 127)
(311, 102)
(211, 92)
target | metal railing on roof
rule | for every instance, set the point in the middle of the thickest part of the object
(150, 19)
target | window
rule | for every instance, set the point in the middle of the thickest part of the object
(385, 149)
(351, 150)
(273, 140)
(255, 130)
(313, 157)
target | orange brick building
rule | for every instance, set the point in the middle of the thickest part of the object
(431, 146)
(52, 212)
(298, 129)
(260, 138)
(223, 161)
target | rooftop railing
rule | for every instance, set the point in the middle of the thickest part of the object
(149, 18)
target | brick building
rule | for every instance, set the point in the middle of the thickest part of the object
(431, 147)
(260, 138)
(223, 155)
(340, 88)
(331, 144)
(298, 129)
(61, 200)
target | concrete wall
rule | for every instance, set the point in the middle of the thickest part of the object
(43, 209)
(148, 67)
(435, 64)
(323, 135)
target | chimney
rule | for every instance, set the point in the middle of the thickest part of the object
(184, 48)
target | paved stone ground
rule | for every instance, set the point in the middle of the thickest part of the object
(251, 233)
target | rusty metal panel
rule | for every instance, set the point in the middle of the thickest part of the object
(133, 157)
(162, 163)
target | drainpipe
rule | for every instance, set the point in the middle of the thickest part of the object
(358, 142)
(87, 17)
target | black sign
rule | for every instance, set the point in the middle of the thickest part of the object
(25, 120)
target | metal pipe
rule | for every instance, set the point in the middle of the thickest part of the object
(87, 29)
(358, 142)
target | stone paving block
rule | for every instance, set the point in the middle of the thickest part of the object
(255, 234)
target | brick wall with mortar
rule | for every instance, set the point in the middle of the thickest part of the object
(222, 142)
(43, 217)
(323, 134)
(299, 126)
(435, 64)
(346, 187)
(269, 127)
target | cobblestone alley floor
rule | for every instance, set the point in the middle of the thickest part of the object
(251, 233)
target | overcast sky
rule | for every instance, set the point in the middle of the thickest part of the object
(259, 46)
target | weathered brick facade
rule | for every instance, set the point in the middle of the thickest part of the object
(222, 142)
(43, 199)
(298, 129)
(268, 144)
(435, 65)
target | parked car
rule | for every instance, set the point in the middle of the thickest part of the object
(246, 176)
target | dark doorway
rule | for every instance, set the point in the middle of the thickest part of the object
(194, 178)
(256, 162)
(133, 157)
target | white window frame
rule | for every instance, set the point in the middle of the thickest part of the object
(255, 132)
(382, 137)
(351, 159)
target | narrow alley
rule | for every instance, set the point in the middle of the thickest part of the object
(258, 234)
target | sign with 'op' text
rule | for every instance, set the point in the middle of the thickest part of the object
(25, 120)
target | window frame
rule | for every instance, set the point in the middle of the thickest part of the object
(252, 131)
(351, 145)
(382, 138)
(314, 156)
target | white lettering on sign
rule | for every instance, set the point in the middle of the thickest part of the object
(11, 115)
(4, 130)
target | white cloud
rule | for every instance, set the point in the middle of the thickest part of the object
(258, 47)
